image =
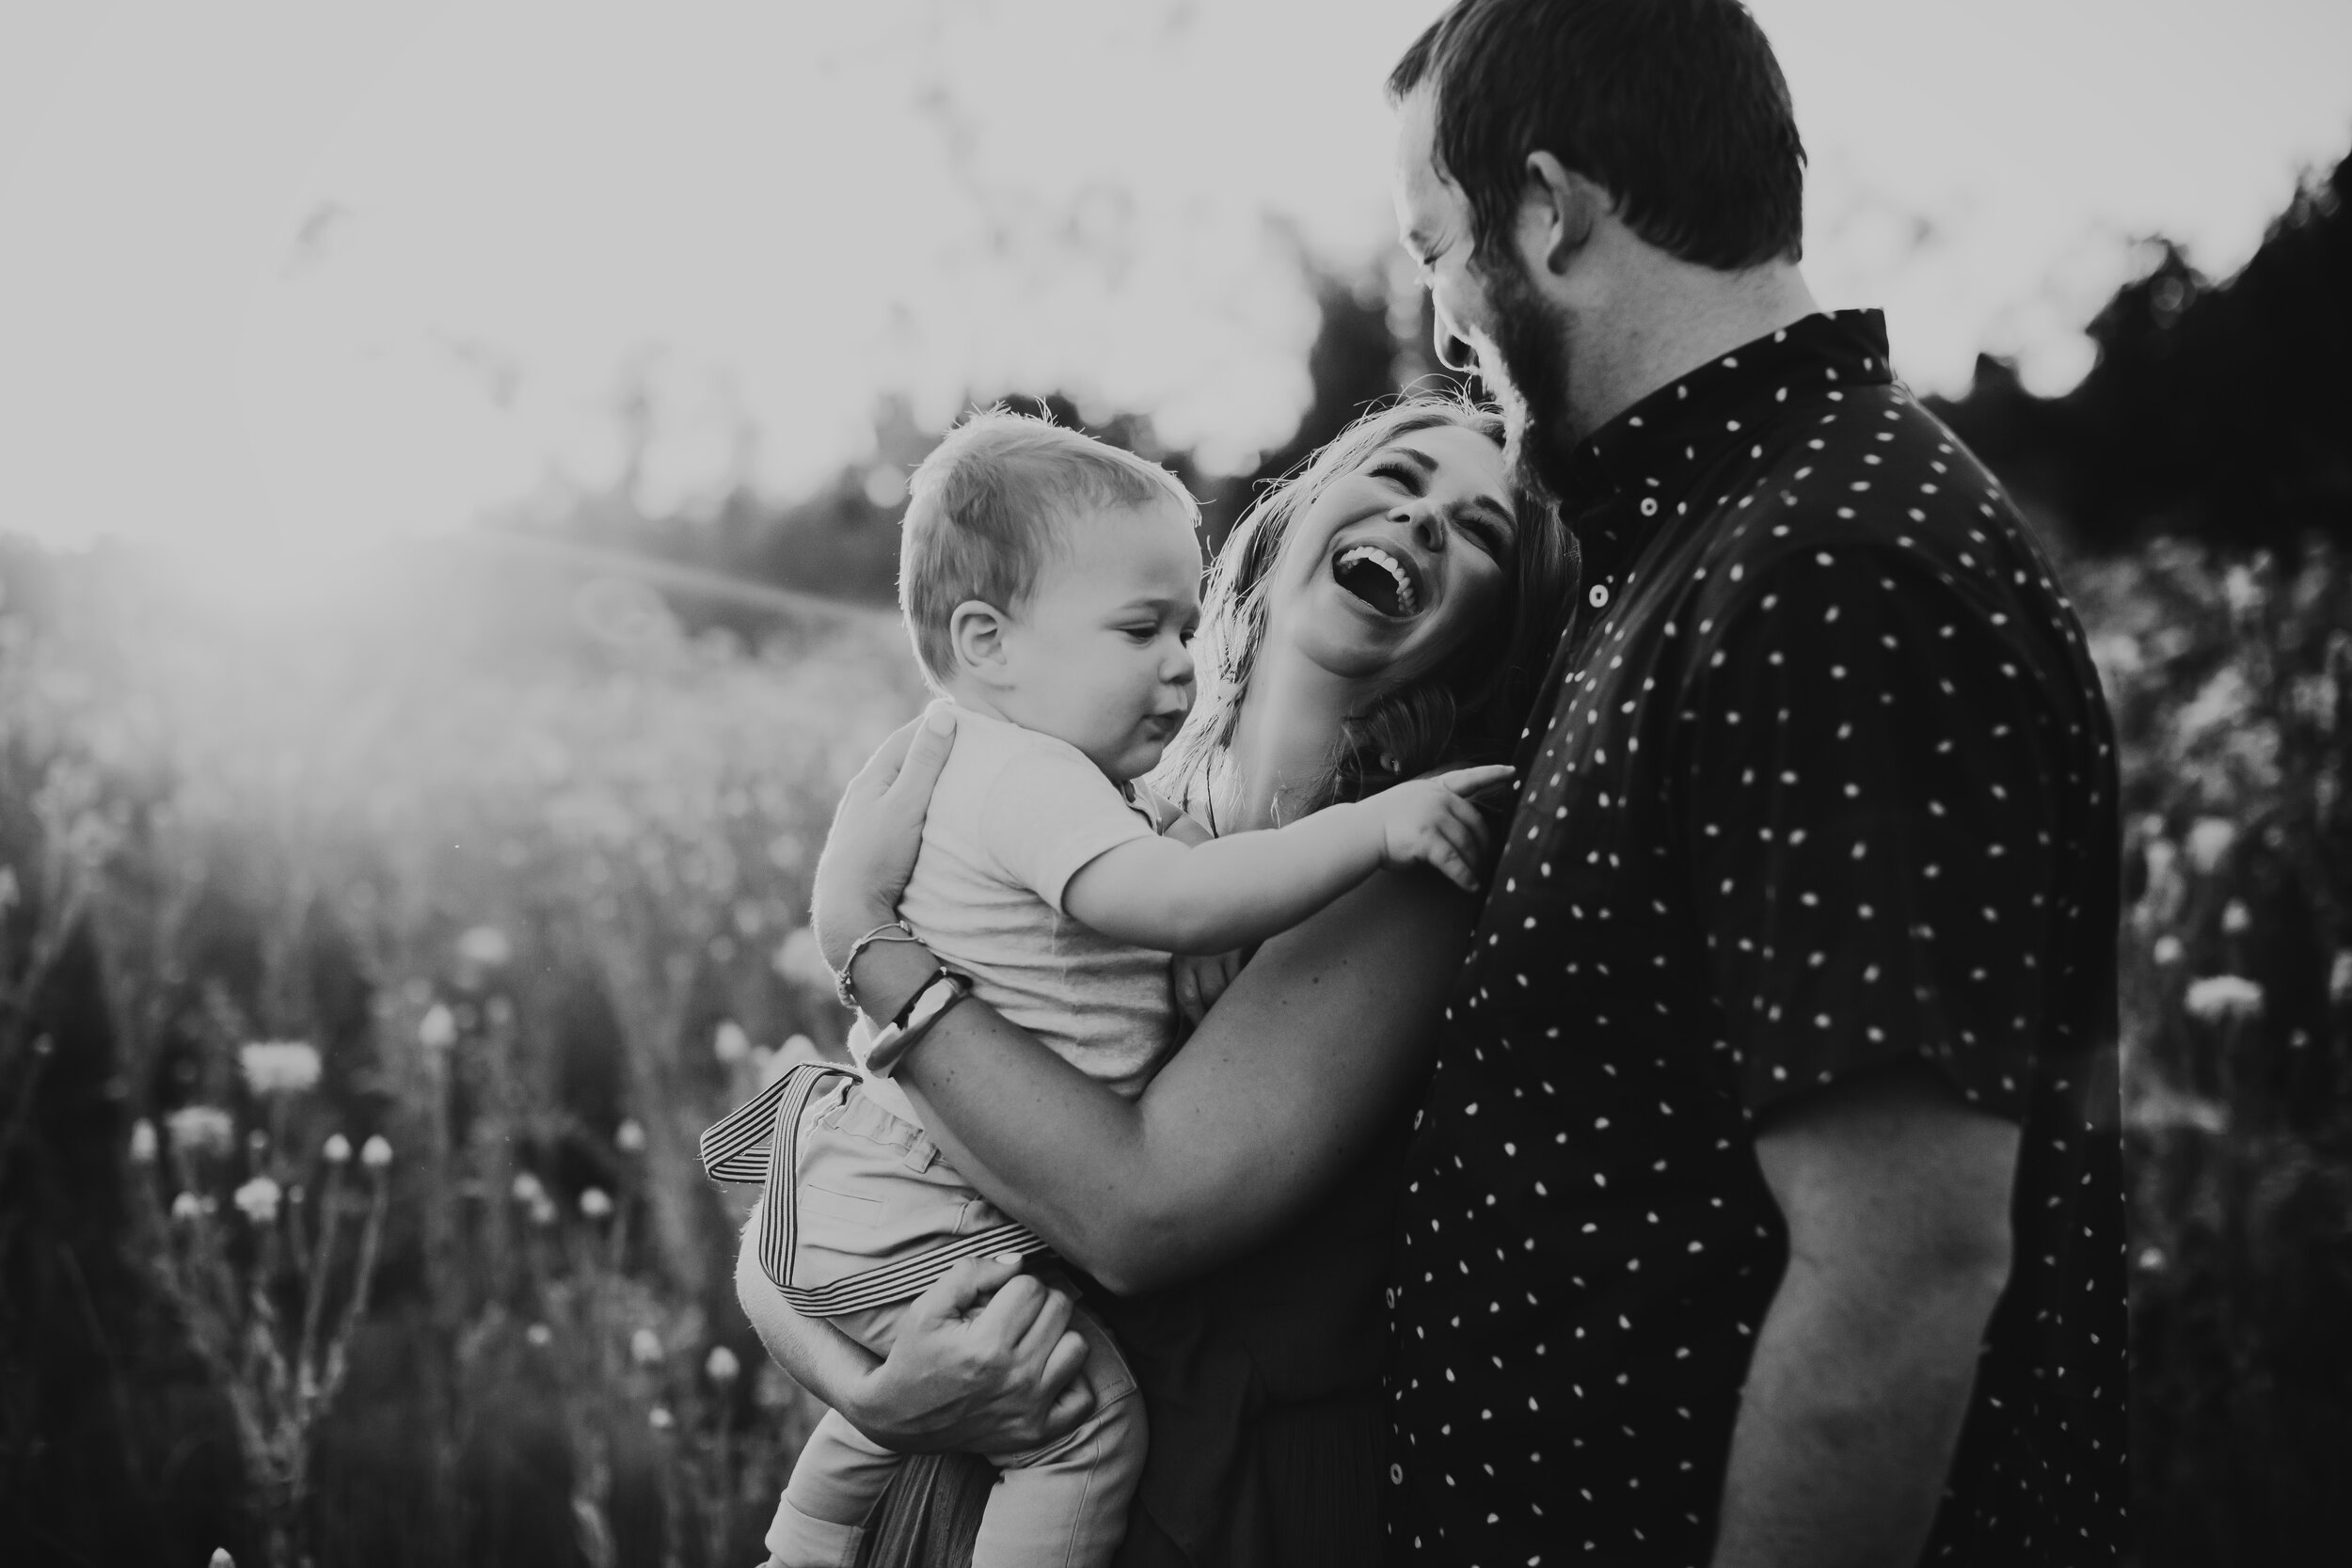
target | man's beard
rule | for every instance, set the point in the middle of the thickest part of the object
(1531, 336)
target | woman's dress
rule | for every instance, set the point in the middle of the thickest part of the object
(1262, 1382)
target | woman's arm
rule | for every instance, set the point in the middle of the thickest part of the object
(985, 1359)
(1286, 1085)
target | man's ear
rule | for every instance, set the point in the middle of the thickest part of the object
(975, 631)
(1558, 213)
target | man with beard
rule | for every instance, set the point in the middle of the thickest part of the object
(1766, 1202)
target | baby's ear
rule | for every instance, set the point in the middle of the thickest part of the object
(975, 631)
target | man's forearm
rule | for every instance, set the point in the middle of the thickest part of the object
(1850, 1420)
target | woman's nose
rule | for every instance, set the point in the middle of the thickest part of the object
(1428, 531)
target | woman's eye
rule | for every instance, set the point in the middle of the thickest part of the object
(1489, 537)
(1403, 474)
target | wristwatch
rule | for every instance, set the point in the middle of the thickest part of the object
(943, 991)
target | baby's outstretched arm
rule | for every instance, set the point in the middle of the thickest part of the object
(1244, 887)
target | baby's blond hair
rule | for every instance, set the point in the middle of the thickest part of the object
(985, 508)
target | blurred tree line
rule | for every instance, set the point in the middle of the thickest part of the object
(2218, 412)
(2215, 411)
(842, 541)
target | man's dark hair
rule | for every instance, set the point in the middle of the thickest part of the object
(1677, 107)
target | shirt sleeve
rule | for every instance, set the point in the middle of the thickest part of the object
(1871, 797)
(1048, 813)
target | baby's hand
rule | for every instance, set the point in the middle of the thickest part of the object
(1199, 979)
(1431, 822)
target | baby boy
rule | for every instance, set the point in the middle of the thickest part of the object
(1051, 585)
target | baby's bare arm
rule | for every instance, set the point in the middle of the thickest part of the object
(1246, 887)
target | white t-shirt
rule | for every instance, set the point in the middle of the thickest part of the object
(1015, 815)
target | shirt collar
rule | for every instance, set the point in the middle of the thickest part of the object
(1675, 430)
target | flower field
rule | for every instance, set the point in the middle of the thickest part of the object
(370, 968)
(2231, 684)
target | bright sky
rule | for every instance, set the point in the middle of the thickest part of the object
(280, 273)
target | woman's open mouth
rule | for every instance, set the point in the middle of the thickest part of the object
(1380, 579)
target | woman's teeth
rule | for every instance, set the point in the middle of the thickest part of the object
(1407, 600)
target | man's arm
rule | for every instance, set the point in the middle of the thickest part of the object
(1897, 1198)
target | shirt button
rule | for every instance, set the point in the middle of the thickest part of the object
(1598, 597)
(1650, 506)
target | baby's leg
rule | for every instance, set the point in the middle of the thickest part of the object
(836, 1482)
(1065, 1505)
(841, 1473)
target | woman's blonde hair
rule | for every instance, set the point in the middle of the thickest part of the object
(1468, 709)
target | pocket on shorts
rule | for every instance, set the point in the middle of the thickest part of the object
(847, 1208)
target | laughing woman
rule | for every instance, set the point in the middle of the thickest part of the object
(1380, 614)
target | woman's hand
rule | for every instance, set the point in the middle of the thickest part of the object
(877, 832)
(985, 1362)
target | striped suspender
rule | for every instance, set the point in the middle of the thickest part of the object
(755, 1142)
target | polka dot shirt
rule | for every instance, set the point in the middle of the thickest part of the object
(1821, 780)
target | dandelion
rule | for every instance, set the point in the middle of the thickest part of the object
(376, 1153)
(257, 1200)
(2209, 839)
(201, 1130)
(721, 1366)
(596, 1203)
(279, 1067)
(143, 1142)
(2240, 588)
(221, 1559)
(2235, 917)
(337, 1151)
(2220, 704)
(630, 1138)
(186, 1207)
(2118, 658)
(2340, 978)
(2223, 999)
(538, 1336)
(659, 1418)
(528, 1188)
(731, 1045)
(438, 1029)
(2167, 951)
(644, 1347)
(485, 946)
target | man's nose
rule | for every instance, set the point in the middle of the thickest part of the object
(1454, 350)
(1455, 353)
